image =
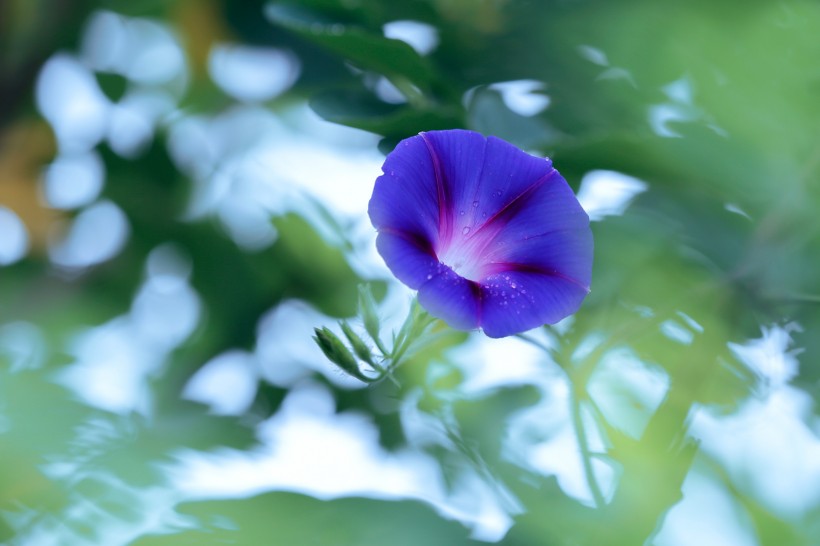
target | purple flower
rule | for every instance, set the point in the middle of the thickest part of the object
(491, 237)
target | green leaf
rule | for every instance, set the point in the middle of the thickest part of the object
(369, 51)
(368, 312)
(278, 518)
(359, 109)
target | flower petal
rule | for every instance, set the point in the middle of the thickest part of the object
(452, 298)
(409, 258)
(564, 252)
(490, 236)
(483, 175)
(517, 301)
(547, 207)
(458, 157)
(405, 198)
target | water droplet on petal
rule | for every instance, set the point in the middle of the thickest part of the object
(429, 277)
(475, 203)
(465, 231)
(461, 213)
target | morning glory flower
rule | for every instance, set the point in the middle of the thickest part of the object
(490, 236)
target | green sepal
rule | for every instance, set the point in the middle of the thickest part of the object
(359, 346)
(338, 353)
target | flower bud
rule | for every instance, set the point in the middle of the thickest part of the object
(338, 353)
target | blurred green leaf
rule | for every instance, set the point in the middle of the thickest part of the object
(289, 518)
(369, 51)
(362, 110)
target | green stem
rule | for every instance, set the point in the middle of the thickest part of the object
(578, 423)
(532, 341)
(380, 346)
(797, 297)
(586, 454)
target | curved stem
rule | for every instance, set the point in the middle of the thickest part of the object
(533, 341)
(586, 454)
(578, 424)
(380, 346)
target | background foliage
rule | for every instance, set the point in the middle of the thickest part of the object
(692, 366)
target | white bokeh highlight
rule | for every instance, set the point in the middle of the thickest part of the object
(252, 74)
(420, 36)
(608, 193)
(524, 97)
(73, 180)
(14, 241)
(68, 96)
(113, 362)
(293, 456)
(96, 235)
(226, 383)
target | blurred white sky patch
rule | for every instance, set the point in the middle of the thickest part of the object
(770, 355)
(144, 52)
(96, 235)
(540, 438)
(593, 55)
(227, 383)
(478, 359)
(388, 92)
(73, 180)
(599, 57)
(420, 36)
(150, 510)
(113, 361)
(734, 208)
(770, 447)
(141, 50)
(69, 97)
(681, 329)
(680, 108)
(252, 74)
(627, 390)
(661, 115)
(246, 221)
(149, 57)
(165, 312)
(23, 345)
(524, 97)
(309, 448)
(14, 241)
(673, 330)
(134, 119)
(608, 193)
(342, 181)
(707, 516)
(110, 368)
(249, 165)
(285, 351)
(543, 439)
